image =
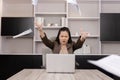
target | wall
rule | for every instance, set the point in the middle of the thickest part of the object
(17, 8)
(110, 47)
(9, 45)
(111, 6)
(0, 21)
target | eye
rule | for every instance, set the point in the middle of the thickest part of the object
(66, 36)
(62, 36)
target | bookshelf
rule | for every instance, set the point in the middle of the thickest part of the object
(61, 13)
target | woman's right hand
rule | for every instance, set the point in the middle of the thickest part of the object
(39, 26)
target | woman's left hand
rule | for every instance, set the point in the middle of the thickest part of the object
(83, 35)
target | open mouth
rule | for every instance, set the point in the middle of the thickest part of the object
(63, 41)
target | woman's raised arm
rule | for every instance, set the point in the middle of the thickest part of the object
(39, 27)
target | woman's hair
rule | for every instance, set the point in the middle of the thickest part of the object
(64, 29)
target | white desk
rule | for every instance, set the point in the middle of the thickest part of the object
(41, 74)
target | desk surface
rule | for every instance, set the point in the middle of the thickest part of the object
(41, 74)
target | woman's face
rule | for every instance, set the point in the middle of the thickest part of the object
(63, 37)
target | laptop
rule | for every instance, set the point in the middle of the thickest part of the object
(61, 63)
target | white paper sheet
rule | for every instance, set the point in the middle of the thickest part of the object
(78, 8)
(23, 33)
(34, 2)
(74, 3)
(110, 63)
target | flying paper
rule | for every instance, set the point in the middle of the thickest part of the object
(74, 2)
(23, 33)
(34, 2)
(77, 6)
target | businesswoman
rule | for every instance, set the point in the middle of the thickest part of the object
(63, 43)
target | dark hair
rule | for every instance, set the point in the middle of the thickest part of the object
(64, 29)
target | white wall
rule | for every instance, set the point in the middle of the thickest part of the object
(17, 9)
(110, 47)
(0, 21)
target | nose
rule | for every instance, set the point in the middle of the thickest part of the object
(64, 38)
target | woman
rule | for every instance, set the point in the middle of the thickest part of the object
(63, 43)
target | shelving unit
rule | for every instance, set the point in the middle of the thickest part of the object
(83, 18)
(89, 21)
(53, 11)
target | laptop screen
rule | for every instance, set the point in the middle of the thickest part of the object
(60, 63)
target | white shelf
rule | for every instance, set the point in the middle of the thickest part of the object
(110, 0)
(50, 13)
(38, 40)
(51, 27)
(83, 18)
(93, 36)
(51, 1)
(90, 36)
(18, 1)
